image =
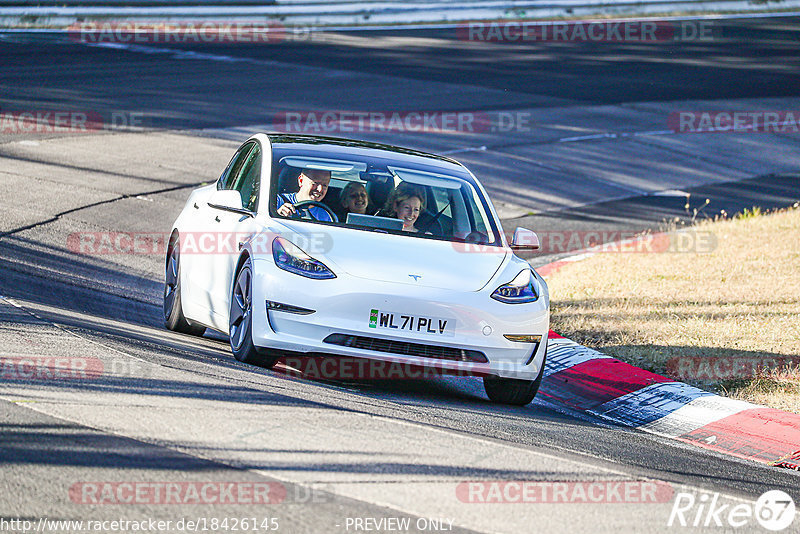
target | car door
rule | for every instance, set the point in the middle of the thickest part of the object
(231, 230)
(200, 242)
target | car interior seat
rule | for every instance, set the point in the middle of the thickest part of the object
(428, 222)
(378, 192)
(287, 180)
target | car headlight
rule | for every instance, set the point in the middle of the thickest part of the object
(523, 288)
(289, 257)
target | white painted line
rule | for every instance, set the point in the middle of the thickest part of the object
(466, 149)
(670, 193)
(654, 132)
(610, 135)
(578, 257)
(587, 137)
(153, 13)
(178, 53)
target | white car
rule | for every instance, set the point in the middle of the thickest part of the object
(452, 295)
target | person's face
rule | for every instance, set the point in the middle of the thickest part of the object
(356, 199)
(408, 211)
(313, 185)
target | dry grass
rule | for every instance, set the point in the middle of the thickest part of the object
(778, 388)
(738, 303)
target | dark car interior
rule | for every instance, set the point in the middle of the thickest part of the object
(378, 185)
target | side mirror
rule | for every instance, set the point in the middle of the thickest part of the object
(525, 239)
(227, 200)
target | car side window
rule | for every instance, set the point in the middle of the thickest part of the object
(442, 201)
(238, 160)
(248, 180)
(477, 218)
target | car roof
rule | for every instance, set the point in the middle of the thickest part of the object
(342, 147)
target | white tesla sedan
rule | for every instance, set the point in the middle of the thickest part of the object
(320, 246)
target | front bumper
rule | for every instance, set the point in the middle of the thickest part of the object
(475, 323)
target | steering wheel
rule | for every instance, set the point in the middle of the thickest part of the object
(306, 204)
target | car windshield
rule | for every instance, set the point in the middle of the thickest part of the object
(381, 195)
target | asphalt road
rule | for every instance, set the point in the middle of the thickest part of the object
(741, 58)
(169, 408)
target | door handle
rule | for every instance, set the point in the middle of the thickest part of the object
(217, 218)
(196, 206)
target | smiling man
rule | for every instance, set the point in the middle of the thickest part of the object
(313, 186)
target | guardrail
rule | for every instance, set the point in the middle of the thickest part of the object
(60, 13)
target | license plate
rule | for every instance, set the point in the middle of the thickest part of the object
(421, 324)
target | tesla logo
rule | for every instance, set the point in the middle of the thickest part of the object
(416, 277)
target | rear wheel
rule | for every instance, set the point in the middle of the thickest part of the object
(241, 321)
(173, 311)
(513, 390)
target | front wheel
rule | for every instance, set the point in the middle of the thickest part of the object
(513, 390)
(241, 321)
(173, 310)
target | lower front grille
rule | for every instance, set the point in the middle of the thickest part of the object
(406, 349)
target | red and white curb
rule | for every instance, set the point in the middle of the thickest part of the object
(588, 381)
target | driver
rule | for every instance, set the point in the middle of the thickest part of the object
(313, 186)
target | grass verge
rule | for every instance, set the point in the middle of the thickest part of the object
(724, 317)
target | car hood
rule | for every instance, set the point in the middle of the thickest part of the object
(397, 258)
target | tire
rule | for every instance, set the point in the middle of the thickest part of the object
(513, 390)
(241, 321)
(173, 310)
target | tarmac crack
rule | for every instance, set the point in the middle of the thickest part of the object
(125, 196)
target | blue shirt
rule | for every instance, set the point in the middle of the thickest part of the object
(315, 211)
